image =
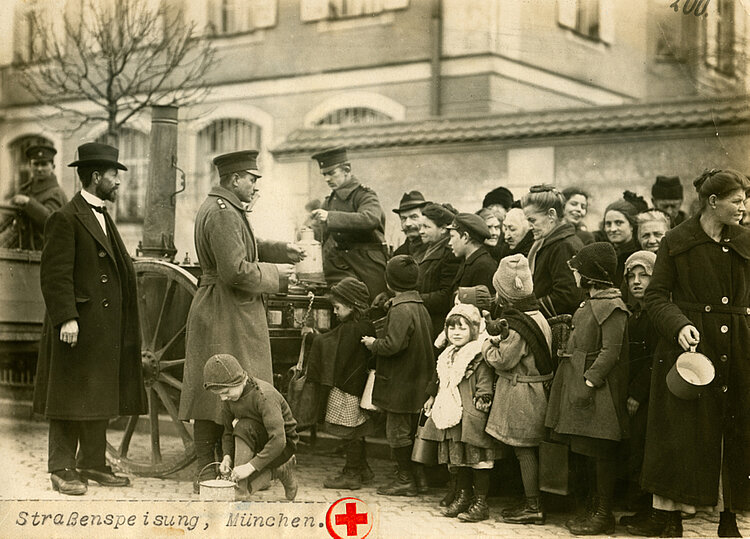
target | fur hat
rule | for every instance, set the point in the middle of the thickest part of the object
(647, 259)
(468, 312)
(479, 296)
(597, 262)
(667, 188)
(500, 195)
(223, 370)
(401, 273)
(352, 291)
(512, 280)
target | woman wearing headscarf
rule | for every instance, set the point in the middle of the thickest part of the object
(438, 267)
(699, 296)
(555, 242)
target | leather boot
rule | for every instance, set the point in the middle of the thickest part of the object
(452, 489)
(639, 516)
(349, 478)
(477, 511)
(728, 525)
(585, 512)
(658, 524)
(402, 485)
(601, 522)
(366, 475)
(461, 503)
(420, 478)
(530, 512)
(286, 474)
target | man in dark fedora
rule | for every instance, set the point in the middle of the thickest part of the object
(227, 315)
(38, 197)
(467, 234)
(89, 366)
(352, 223)
(667, 196)
(409, 212)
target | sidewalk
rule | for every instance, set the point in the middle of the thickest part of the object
(24, 445)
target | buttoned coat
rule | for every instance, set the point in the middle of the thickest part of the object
(707, 284)
(88, 276)
(404, 357)
(437, 271)
(597, 351)
(477, 268)
(353, 237)
(227, 315)
(45, 196)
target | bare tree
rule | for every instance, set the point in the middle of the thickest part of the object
(120, 55)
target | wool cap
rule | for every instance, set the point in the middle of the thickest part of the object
(438, 214)
(501, 196)
(330, 158)
(223, 370)
(41, 152)
(478, 295)
(352, 291)
(596, 261)
(472, 224)
(647, 259)
(242, 161)
(512, 280)
(667, 188)
(401, 273)
(468, 312)
(95, 153)
(411, 200)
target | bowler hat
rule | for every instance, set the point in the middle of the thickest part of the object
(411, 200)
(471, 224)
(242, 161)
(96, 153)
(331, 158)
(41, 152)
(667, 188)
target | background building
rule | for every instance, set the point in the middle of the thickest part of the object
(446, 96)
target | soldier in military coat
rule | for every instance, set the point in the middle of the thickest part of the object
(227, 315)
(353, 225)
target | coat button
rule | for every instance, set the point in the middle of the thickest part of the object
(102, 254)
(105, 303)
(726, 240)
(104, 278)
(707, 308)
(724, 388)
(725, 300)
(724, 329)
(725, 249)
(723, 357)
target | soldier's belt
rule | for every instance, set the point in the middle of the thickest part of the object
(207, 279)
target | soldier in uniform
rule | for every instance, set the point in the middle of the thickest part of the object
(38, 197)
(353, 225)
(227, 315)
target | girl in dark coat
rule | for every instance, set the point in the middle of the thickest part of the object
(555, 242)
(438, 267)
(587, 407)
(344, 417)
(619, 228)
(700, 296)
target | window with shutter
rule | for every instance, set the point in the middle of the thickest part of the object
(719, 47)
(227, 17)
(592, 19)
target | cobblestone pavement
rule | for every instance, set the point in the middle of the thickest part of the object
(23, 476)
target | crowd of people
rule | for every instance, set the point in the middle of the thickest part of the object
(450, 338)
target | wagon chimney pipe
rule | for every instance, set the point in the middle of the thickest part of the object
(159, 221)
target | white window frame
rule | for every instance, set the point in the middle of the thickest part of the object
(569, 14)
(336, 10)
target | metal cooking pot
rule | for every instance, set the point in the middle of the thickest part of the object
(690, 374)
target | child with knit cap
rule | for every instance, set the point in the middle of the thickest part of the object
(404, 365)
(260, 432)
(587, 403)
(460, 398)
(521, 357)
(342, 365)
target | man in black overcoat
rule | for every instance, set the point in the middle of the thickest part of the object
(89, 367)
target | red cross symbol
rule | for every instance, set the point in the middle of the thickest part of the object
(352, 513)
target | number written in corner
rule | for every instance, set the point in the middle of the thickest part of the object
(694, 7)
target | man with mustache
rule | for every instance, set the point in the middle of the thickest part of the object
(409, 212)
(89, 366)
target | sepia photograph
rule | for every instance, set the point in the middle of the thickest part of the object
(375, 268)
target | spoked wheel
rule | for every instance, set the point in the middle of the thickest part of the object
(158, 443)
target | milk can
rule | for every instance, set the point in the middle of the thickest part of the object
(311, 268)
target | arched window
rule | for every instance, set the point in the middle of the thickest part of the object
(221, 136)
(22, 172)
(131, 198)
(353, 115)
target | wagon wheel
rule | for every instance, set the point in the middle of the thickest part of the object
(158, 443)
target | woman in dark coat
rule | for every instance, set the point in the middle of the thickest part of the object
(438, 267)
(575, 209)
(517, 234)
(700, 295)
(619, 228)
(555, 242)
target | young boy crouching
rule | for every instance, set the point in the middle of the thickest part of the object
(260, 433)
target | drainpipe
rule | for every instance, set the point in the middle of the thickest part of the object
(436, 51)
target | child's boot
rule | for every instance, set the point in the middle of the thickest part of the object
(728, 525)
(366, 475)
(530, 512)
(478, 510)
(420, 478)
(464, 495)
(601, 522)
(286, 474)
(349, 478)
(403, 484)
